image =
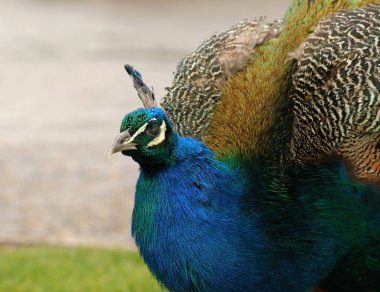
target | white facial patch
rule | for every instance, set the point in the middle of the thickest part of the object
(156, 140)
(160, 137)
(138, 132)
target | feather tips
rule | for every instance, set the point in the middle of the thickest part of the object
(145, 93)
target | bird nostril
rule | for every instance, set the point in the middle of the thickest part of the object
(123, 136)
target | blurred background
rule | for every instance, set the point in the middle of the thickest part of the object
(63, 93)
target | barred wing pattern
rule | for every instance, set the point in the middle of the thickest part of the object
(200, 76)
(337, 92)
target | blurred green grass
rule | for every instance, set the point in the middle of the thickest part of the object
(73, 269)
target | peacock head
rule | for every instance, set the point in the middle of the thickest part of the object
(146, 134)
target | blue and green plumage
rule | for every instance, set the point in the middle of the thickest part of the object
(243, 216)
(204, 224)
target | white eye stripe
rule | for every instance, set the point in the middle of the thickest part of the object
(139, 131)
(160, 137)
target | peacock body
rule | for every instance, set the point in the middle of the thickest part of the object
(248, 201)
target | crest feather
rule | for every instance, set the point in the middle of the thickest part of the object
(145, 93)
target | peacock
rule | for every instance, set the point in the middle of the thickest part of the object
(261, 170)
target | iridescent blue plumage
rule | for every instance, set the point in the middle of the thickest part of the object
(239, 212)
(202, 224)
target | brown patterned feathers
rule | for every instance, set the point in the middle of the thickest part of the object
(235, 90)
(337, 92)
(200, 76)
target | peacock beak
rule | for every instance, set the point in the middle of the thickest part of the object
(122, 142)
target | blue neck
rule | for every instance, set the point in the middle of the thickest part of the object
(187, 219)
(188, 211)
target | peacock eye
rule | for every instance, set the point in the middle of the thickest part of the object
(153, 130)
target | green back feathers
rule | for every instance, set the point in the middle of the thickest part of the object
(250, 117)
